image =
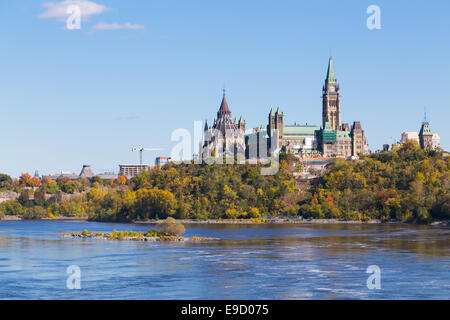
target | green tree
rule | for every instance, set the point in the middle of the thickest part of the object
(36, 212)
(39, 196)
(6, 182)
(11, 208)
(24, 198)
(152, 203)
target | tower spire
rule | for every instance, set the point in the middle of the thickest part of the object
(331, 77)
(223, 106)
(425, 120)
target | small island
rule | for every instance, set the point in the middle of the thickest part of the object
(170, 230)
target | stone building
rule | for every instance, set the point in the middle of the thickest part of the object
(330, 140)
(276, 122)
(331, 100)
(425, 138)
(300, 139)
(436, 141)
(226, 136)
(410, 136)
(336, 139)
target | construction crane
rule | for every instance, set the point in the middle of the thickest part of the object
(141, 149)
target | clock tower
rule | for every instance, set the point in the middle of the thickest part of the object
(331, 105)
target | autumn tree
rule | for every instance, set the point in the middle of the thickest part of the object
(25, 180)
(171, 227)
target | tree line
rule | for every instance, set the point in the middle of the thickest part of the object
(407, 184)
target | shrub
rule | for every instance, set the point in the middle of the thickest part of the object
(125, 234)
(254, 213)
(231, 213)
(172, 227)
(154, 233)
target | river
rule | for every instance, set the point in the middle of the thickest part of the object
(264, 261)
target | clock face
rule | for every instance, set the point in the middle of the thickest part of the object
(332, 89)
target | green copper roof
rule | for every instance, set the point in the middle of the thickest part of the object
(331, 77)
(425, 130)
(271, 112)
(241, 119)
(279, 110)
(328, 134)
(300, 131)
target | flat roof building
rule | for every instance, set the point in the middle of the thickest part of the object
(132, 170)
(409, 136)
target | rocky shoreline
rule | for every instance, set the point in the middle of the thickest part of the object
(17, 218)
(222, 221)
(139, 237)
(271, 221)
(443, 223)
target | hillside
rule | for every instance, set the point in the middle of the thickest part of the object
(406, 184)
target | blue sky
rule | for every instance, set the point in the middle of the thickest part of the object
(74, 97)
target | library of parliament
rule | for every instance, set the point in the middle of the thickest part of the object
(332, 139)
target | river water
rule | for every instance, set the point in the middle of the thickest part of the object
(248, 262)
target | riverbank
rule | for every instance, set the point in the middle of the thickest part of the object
(17, 218)
(443, 223)
(222, 221)
(269, 221)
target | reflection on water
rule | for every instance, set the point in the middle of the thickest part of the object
(249, 262)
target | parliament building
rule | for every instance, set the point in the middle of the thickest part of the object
(332, 139)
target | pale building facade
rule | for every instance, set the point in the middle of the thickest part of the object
(132, 170)
(410, 136)
(226, 136)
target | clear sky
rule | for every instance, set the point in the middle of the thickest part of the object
(137, 70)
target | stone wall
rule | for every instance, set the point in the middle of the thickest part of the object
(8, 195)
